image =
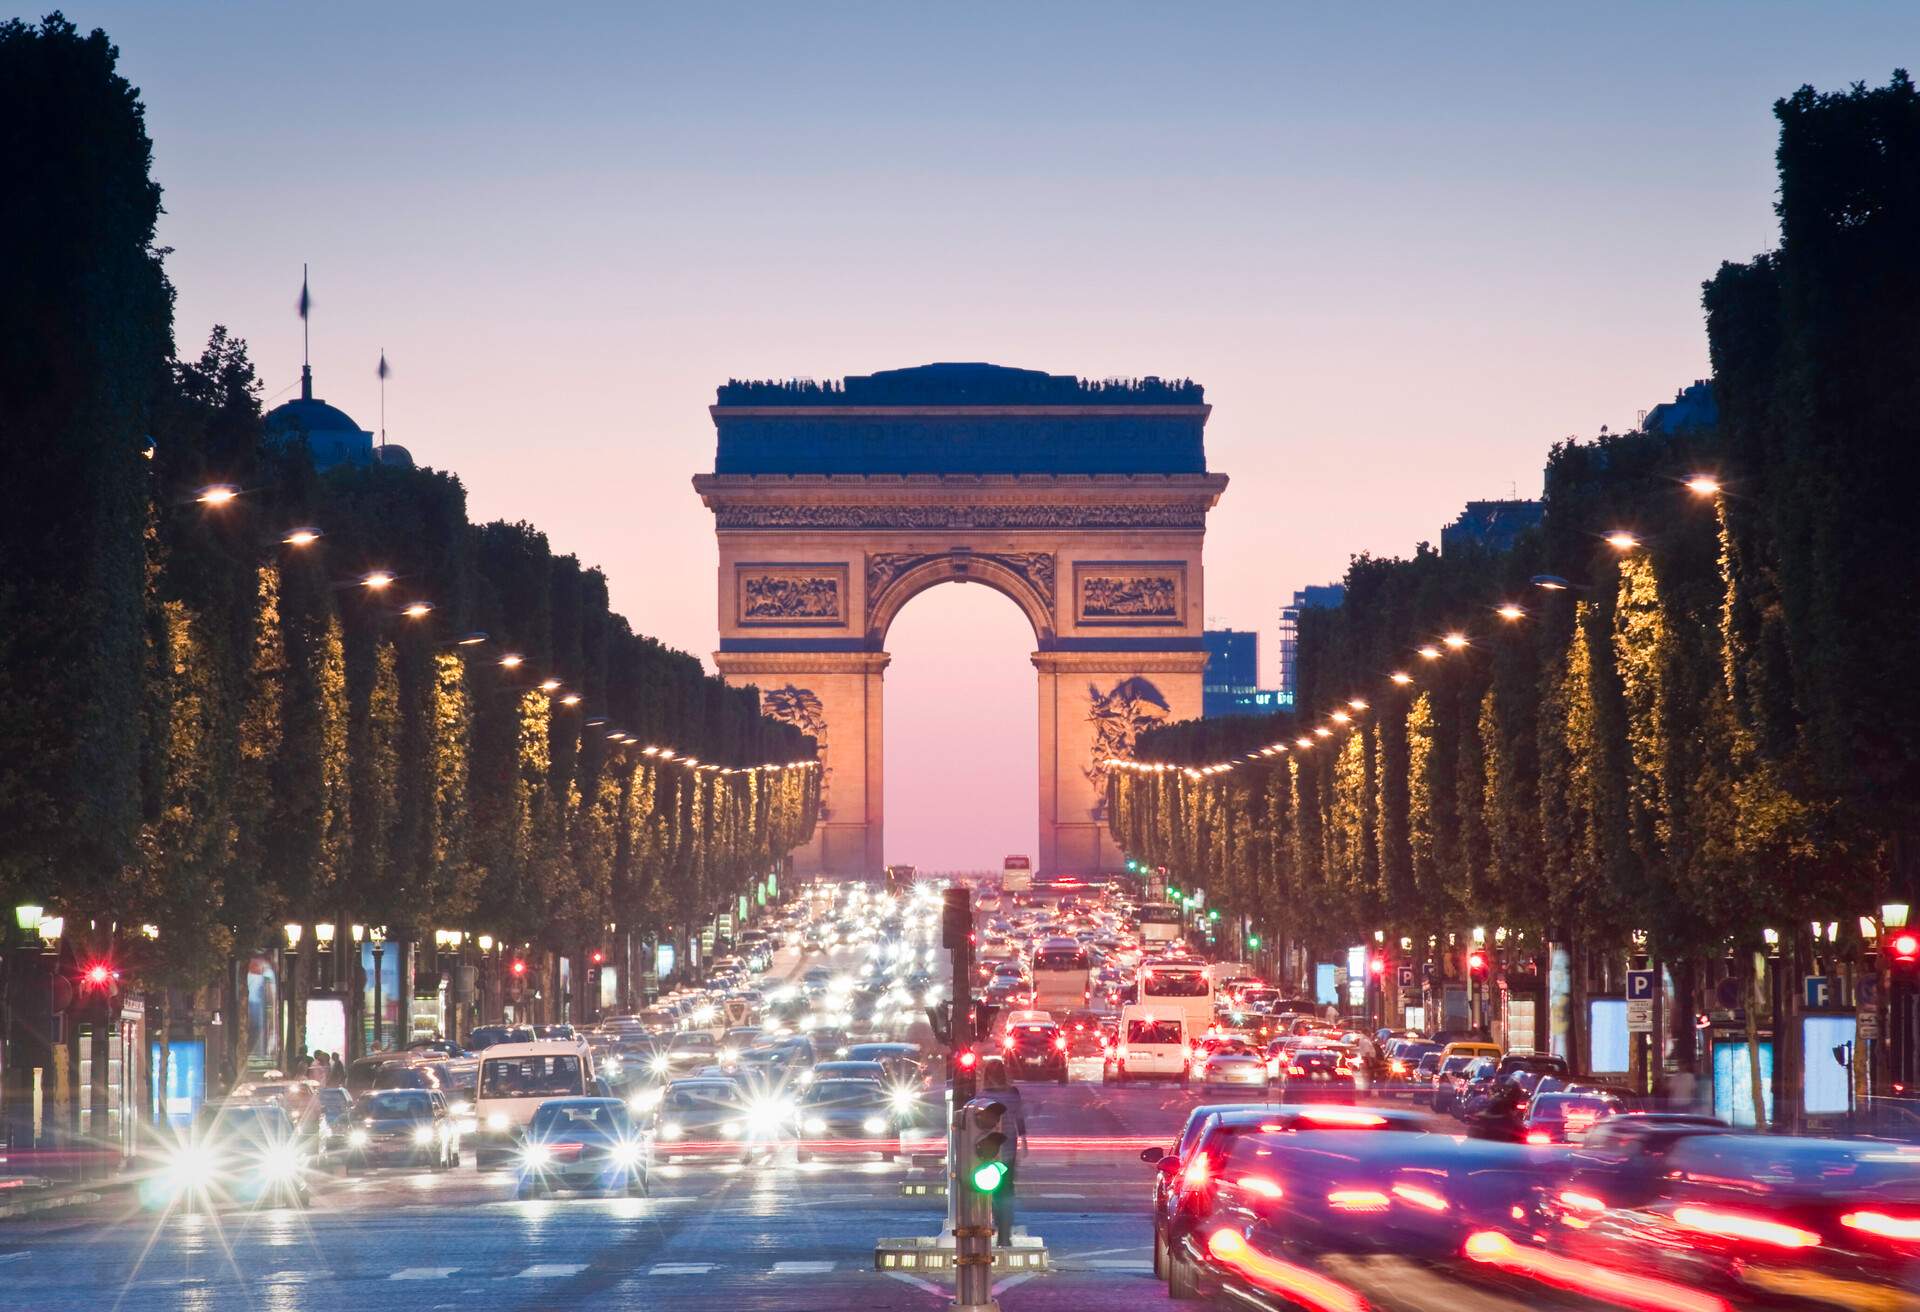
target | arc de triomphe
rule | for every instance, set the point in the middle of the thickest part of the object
(1084, 503)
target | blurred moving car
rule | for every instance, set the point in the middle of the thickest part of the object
(409, 1127)
(1149, 1045)
(234, 1153)
(515, 1078)
(1234, 1064)
(1559, 1117)
(582, 1143)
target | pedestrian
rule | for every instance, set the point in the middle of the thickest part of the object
(318, 1071)
(1014, 1125)
(337, 1073)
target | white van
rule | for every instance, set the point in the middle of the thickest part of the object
(514, 1079)
(1153, 1042)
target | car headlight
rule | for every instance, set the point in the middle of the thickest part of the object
(497, 1122)
(627, 1153)
(281, 1162)
(356, 1138)
(731, 1129)
(874, 1125)
(191, 1167)
(423, 1135)
(536, 1154)
(660, 1065)
(461, 1108)
(815, 1125)
(644, 1101)
(671, 1130)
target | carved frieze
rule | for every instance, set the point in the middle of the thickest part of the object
(1147, 592)
(783, 594)
(1176, 513)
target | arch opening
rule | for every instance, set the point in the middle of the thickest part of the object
(899, 580)
(961, 722)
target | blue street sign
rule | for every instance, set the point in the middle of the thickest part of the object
(1639, 986)
(1820, 991)
(1406, 977)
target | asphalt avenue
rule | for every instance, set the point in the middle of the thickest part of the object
(774, 1235)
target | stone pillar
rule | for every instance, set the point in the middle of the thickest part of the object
(836, 696)
(1093, 705)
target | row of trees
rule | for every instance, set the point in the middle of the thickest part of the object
(1712, 729)
(211, 725)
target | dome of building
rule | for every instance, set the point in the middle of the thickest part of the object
(331, 435)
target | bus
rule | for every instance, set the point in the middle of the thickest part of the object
(1159, 922)
(1016, 874)
(1166, 987)
(1062, 976)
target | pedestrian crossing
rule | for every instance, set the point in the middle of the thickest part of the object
(567, 1270)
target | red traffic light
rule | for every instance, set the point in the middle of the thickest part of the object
(1906, 947)
(98, 975)
(1378, 966)
(966, 1060)
(1477, 962)
(519, 967)
(599, 957)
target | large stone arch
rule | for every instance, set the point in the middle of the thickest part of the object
(1085, 504)
(895, 578)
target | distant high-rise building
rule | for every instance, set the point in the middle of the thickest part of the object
(1325, 596)
(1233, 667)
(1493, 525)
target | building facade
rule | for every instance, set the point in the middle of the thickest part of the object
(1325, 596)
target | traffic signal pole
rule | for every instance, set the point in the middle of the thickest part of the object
(969, 1212)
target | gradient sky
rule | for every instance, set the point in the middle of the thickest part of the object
(1405, 247)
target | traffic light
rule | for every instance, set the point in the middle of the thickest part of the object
(1904, 948)
(1253, 941)
(982, 1140)
(1477, 964)
(92, 991)
(1377, 966)
(956, 918)
(519, 969)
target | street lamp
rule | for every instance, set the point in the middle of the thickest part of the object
(418, 610)
(1704, 485)
(378, 935)
(27, 916)
(1510, 612)
(216, 494)
(376, 580)
(292, 930)
(1894, 915)
(302, 537)
(1621, 540)
(1455, 641)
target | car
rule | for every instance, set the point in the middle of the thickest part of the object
(1523, 1069)
(1751, 1219)
(1148, 1045)
(850, 1070)
(1234, 1065)
(1036, 1051)
(408, 1075)
(1450, 1092)
(1281, 1212)
(1316, 1074)
(514, 1079)
(234, 1153)
(445, 1047)
(1403, 1056)
(705, 1117)
(847, 1115)
(407, 1127)
(1188, 1173)
(1567, 1117)
(1450, 1078)
(582, 1143)
(363, 1071)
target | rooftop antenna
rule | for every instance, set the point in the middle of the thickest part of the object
(306, 361)
(384, 371)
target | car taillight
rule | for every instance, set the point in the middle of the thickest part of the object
(1882, 1225)
(1060, 1043)
(1539, 1136)
(1742, 1225)
(1420, 1197)
(1296, 1070)
(1357, 1200)
(1261, 1185)
(1197, 1172)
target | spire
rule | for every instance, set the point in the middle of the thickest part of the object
(306, 359)
(384, 371)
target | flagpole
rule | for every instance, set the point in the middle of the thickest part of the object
(383, 398)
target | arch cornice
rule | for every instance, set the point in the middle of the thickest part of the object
(895, 578)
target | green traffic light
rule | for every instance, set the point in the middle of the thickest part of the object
(1253, 940)
(987, 1177)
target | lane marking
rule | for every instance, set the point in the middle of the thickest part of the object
(680, 1269)
(1061, 1195)
(1097, 1252)
(801, 1268)
(552, 1270)
(13, 1257)
(423, 1273)
(1121, 1264)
